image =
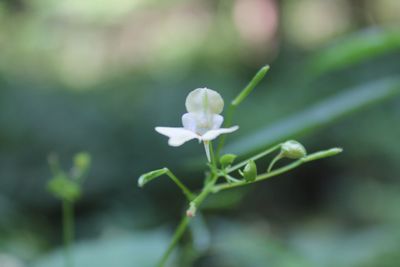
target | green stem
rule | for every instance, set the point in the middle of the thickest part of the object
(180, 230)
(250, 86)
(189, 195)
(228, 123)
(254, 158)
(68, 231)
(238, 99)
(212, 154)
(271, 165)
(311, 157)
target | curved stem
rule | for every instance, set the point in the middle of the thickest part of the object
(271, 165)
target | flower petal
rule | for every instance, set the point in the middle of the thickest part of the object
(204, 100)
(177, 136)
(189, 121)
(217, 121)
(210, 135)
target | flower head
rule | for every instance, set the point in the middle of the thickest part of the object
(201, 122)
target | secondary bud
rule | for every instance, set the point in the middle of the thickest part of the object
(293, 150)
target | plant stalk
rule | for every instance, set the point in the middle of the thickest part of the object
(68, 231)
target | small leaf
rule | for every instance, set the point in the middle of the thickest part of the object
(147, 177)
(227, 160)
(249, 172)
(64, 188)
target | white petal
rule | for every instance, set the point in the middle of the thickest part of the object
(210, 135)
(189, 121)
(217, 121)
(177, 136)
(204, 100)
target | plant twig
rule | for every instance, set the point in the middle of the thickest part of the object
(311, 157)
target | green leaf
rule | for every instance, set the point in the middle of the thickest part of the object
(319, 115)
(147, 177)
(227, 160)
(356, 48)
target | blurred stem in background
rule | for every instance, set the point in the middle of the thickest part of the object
(68, 230)
(68, 188)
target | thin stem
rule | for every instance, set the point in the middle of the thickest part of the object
(238, 99)
(228, 123)
(275, 160)
(212, 154)
(254, 158)
(68, 231)
(180, 230)
(311, 157)
(231, 179)
(250, 86)
(185, 220)
(189, 195)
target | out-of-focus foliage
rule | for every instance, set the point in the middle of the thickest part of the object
(98, 76)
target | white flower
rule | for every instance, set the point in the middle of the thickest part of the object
(202, 122)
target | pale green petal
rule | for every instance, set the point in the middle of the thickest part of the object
(204, 100)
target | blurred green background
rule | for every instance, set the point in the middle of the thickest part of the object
(98, 76)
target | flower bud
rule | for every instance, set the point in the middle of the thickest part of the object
(227, 160)
(249, 172)
(293, 150)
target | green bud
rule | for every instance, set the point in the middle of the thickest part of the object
(82, 161)
(227, 160)
(64, 188)
(147, 177)
(293, 150)
(249, 172)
